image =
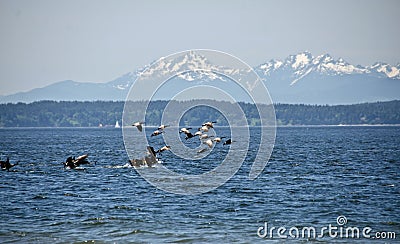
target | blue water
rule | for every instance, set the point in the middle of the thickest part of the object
(315, 175)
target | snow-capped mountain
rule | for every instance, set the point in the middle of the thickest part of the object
(304, 78)
(385, 70)
(299, 66)
(300, 78)
(164, 67)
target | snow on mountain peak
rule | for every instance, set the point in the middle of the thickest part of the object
(301, 60)
(296, 67)
(386, 70)
(325, 58)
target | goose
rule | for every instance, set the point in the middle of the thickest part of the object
(185, 130)
(6, 165)
(204, 136)
(164, 148)
(150, 150)
(209, 143)
(149, 160)
(203, 128)
(198, 133)
(138, 125)
(218, 139)
(202, 150)
(227, 142)
(162, 127)
(82, 159)
(69, 163)
(188, 135)
(156, 133)
(209, 124)
(72, 163)
(137, 162)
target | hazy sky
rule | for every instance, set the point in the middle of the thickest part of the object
(42, 42)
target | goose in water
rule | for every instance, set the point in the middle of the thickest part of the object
(138, 125)
(227, 142)
(156, 133)
(137, 162)
(6, 165)
(72, 163)
(218, 139)
(151, 151)
(149, 160)
(162, 127)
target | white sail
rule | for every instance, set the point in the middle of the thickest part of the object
(117, 125)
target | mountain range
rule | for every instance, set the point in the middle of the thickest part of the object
(301, 78)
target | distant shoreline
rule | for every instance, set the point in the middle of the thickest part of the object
(53, 114)
(224, 126)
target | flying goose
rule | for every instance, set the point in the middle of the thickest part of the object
(164, 148)
(209, 124)
(203, 128)
(204, 136)
(218, 139)
(157, 132)
(138, 125)
(209, 143)
(162, 127)
(185, 130)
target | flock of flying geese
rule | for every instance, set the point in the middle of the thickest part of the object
(151, 158)
(201, 132)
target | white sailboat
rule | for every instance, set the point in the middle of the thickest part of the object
(117, 125)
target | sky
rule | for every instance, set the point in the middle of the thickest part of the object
(46, 41)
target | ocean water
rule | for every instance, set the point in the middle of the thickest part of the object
(315, 175)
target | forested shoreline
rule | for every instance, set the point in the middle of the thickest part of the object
(93, 114)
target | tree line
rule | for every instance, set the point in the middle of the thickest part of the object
(92, 114)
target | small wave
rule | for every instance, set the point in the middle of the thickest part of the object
(122, 207)
(39, 197)
(146, 166)
(95, 221)
(77, 168)
(68, 194)
(132, 232)
(127, 165)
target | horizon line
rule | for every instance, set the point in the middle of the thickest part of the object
(191, 100)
